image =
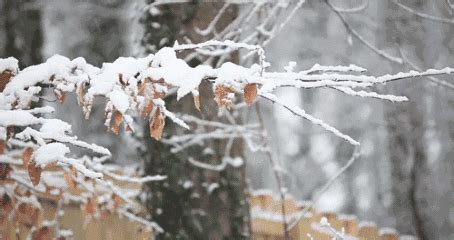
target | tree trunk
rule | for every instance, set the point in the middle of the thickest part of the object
(192, 203)
(406, 131)
(22, 35)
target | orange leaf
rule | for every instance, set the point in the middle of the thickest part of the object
(60, 95)
(10, 131)
(26, 156)
(116, 201)
(81, 94)
(196, 101)
(68, 177)
(118, 119)
(90, 206)
(28, 214)
(121, 79)
(250, 93)
(2, 147)
(223, 96)
(42, 233)
(147, 109)
(157, 125)
(5, 76)
(5, 169)
(34, 172)
(6, 204)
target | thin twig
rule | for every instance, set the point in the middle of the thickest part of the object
(276, 172)
(361, 39)
(356, 154)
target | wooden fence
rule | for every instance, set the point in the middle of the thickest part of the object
(267, 222)
(266, 212)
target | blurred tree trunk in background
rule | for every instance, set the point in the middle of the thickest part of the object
(94, 30)
(192, 203)
(414, 196)
(21, 32)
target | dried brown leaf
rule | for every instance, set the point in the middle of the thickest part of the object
(68, 177)
(121, 79)
(117, 201)
(26, 156)
(196, 101)
(10, 130)
(60, 95)
(28, 214)
(34, 172)
(43, 233)
(157, 125)
(222, 96)
(5, 76)
(2, 147)
(117, 120)
(147, 109)
(6, 204)
(90, 206)
(250, 93)
(5, 169)
(81, 94)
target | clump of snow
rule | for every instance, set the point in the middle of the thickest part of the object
(50, 153)
(17, 118)
(55, 126)
(177, 72)
(367, 224)
(231, 74)
(10, 64)
(324, 221)
(120, 100)
(2, 133)
(56, 66)
(384, 231)
(126, 67)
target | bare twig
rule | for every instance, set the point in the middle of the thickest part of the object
(277, 174)
(361, 39)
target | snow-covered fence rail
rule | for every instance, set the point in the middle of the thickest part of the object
(266, 213)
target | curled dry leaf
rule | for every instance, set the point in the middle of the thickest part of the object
(196, 101)
(147, 108)
(6, 204)
(2, 147)
(5, 169)
(43, 233)
(116, 201)
(81, 94)
(5, 76)
(10, 130)
(121, 79)
(68, 177)
(157, 125)
(250, 93)
(223, 96)
(34, 172)
(26, 156)
(28, 214)
(60, 95)
(117, 120)
(90, 206)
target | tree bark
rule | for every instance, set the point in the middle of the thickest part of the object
(22, 32)
(182, 204)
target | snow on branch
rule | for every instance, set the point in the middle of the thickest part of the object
(423, 15)
(301, 113)
(35, 148)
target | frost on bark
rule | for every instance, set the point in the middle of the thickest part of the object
(193, 203)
